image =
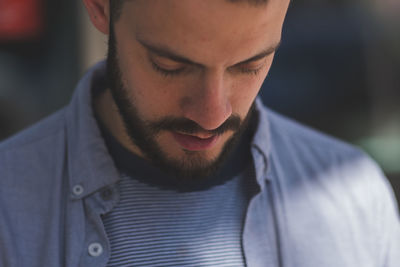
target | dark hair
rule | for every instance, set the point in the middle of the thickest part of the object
(116, 6)
(116, 9)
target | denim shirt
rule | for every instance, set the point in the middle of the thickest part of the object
(321, 202)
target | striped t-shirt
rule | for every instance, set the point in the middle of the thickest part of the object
(154, 224)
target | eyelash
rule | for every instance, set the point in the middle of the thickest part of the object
(251, 71)
(166, 72)
(181, 70)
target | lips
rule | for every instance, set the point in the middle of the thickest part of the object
(194, 143)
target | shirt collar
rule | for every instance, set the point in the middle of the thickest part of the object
(261, 144)
(90, 166)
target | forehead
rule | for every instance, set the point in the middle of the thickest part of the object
(207, 30)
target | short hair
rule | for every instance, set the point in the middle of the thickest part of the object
(116, 6)
(116, 9)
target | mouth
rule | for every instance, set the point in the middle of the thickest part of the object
(198, 142)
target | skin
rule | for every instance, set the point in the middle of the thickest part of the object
(221, 51)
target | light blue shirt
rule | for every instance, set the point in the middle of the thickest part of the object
(322, 203)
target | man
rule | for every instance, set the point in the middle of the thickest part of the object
(166, 158)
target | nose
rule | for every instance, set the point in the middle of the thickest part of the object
(208, 103)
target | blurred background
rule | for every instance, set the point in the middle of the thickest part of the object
(338, 69)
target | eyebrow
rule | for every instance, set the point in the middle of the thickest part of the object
(168, 53)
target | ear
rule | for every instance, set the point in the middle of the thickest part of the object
(99, 13)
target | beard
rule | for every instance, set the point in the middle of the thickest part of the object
(143, 133)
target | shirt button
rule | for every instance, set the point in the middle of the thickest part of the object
(95, 249)
(77, 190)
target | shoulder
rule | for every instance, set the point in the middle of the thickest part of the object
(288, 131)
(311, 160)
(293, 141)
(314, 152)
(32, 154)
(38, 132)
(321, 166)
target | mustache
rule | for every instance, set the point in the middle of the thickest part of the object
(188, 126)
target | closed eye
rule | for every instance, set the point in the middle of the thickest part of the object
(251, 71)
(167, 72)
(252, 67)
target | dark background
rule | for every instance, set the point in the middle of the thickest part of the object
(337, 71)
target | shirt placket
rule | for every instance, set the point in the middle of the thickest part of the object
(260, 237)
(96, 248)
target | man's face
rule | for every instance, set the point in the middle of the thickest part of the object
(184, 75)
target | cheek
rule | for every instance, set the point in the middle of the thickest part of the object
(151, 94)
(151, 97)
(244, 93)
(242, 100)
